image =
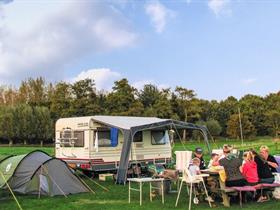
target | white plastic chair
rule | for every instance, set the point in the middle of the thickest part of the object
(190, 181)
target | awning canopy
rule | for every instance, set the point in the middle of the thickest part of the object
(131, 125)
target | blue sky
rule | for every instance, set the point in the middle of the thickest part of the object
(216, 47)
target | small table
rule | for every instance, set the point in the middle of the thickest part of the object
(141, 181)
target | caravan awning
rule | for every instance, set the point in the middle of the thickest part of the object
(131, 125)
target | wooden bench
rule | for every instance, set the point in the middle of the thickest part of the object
(225, 191)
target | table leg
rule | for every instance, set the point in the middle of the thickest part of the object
(151, 197)
(140, 193)
(162, 191)
(128, 191)
(240, 197)
(190, 200)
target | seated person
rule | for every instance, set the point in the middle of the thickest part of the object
(249, 169)
(232, 166)
(194, 167)
(214, 161)
(244, 157)
(194, 170)
(226, 149)
(271, 161)
(264, 172)
(198, 153)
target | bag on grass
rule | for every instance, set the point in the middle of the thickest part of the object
(276, 193)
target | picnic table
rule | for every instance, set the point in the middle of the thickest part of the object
(141, 181)
(216, 187)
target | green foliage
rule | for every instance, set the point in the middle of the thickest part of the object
(7, 130)
(121, 99)
(233, 127)
(24, 121)
(214, 127)
(43, 124)
(261, 115)
(149, 95)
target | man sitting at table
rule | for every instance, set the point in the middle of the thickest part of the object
(232, 165)
(198, 153)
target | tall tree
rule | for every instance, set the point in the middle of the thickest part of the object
(214, 127)
(37, 91)
(227, 108)
(43, 124)
(162, 106)
(121, 99)
(7, 124)
(149, 95)
(184, 97)
(84, 98)
(60, 100)
(272, 113)
(24, 122)
(254, 108)
(233, 127)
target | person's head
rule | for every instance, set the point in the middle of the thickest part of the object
(264, 151)
(245, 154)
(214, 156)
(249, 156)
(226, 149)
(196, 161)
(254, 153)
(198, 152)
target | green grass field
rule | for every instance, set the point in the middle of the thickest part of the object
(117, 197)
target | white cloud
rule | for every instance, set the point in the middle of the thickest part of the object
(220, 7)
(104, 78)
(59, 38)
(158, 14)
(249, 81)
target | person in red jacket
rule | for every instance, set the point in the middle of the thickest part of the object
(249, 169)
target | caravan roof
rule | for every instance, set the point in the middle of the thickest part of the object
(121, 122)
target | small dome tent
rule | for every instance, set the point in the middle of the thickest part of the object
(39, 173)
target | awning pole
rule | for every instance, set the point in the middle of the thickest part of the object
(2, 175)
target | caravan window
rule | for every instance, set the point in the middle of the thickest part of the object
(71, 138)
(104, 138)
(158, 137)
(138, 137)
(79, 138)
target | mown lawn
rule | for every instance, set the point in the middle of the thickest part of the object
(117, 197)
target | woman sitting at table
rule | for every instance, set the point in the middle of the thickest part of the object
(263, 168)
(232, 166)
(249, 169)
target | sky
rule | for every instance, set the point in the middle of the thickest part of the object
(218, 48)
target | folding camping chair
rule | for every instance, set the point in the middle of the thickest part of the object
(191, 181)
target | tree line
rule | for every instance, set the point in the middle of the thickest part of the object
(28, 113)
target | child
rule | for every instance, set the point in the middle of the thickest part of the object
(214, 160)
(249, 169)
(194, 167)
(194, 170)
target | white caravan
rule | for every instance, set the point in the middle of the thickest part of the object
(95, 143)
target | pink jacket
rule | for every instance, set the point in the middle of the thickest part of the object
(250, 172)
